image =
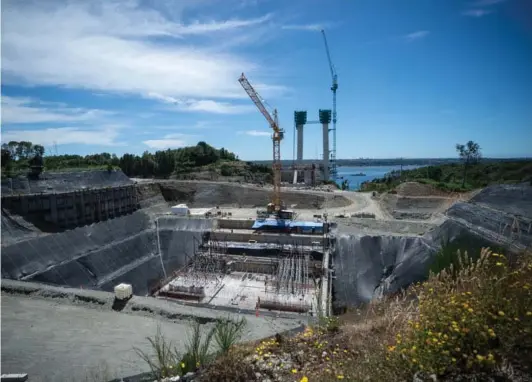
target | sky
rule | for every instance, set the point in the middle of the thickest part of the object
(415, 77)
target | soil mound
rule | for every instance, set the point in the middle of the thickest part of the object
(419, 189)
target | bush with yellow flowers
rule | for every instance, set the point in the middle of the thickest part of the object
(470, 319)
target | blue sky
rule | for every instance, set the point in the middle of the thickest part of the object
(415, 77)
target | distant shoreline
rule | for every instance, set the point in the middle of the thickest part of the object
(391, 161)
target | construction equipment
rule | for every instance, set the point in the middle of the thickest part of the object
(278, 134)
(334, 87)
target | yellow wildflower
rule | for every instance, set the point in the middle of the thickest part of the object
(304, 379)
(294, 371)
(500, 313)
(340, 376)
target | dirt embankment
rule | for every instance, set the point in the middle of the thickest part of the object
(416, 201)
(205, 194)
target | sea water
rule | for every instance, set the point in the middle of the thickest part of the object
(370, 173)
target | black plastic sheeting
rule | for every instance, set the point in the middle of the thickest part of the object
(103, 255)
(370, 266)
(363, 262)
(49, 182)
(515, 199)
(15, 229)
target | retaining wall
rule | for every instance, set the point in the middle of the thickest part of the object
(74, 208)
(57, 182)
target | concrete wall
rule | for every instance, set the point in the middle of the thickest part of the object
(74, 208)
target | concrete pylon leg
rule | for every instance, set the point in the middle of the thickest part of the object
(325, 151)
(299, 129)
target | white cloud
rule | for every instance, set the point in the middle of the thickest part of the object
(104, 136)
(256, 133)
(161, 144)
(477, 12)
(109, 46)
(198, 125)
(169, 141)
(484, 3)
(207, 106)
(304, 27)
(418, 35)
(17, 110)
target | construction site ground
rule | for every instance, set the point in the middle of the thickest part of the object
(57, 334)
(382, 220)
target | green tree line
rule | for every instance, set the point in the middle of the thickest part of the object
(473, 172)
(16, 158)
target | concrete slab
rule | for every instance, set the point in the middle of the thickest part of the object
(242, 290)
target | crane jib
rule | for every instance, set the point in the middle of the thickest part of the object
(278, 135)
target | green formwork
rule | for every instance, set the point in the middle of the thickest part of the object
(325, 116)
(300, 117)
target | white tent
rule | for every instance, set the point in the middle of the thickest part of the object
(180, 209)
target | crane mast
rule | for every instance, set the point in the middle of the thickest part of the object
(334, 87)
(278, 135)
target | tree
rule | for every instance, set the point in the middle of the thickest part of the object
(469, 154)
(434, 173)
(38, 150)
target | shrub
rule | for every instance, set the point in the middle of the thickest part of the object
(164, 363)
(227, 170)
(230, 367)
(473, 321)
(227, 332)
(330, 324)
(197, 348)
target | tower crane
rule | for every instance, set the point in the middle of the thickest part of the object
(334, 87)
(278, 134)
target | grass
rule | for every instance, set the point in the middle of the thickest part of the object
(472, 318)
(165, 360)
(227, 332)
